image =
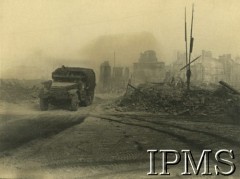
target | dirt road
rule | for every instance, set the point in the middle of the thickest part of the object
(98, 142)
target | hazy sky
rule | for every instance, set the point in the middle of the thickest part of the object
(32, 30)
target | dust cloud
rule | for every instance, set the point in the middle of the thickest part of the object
(127, 48)
(38, 36)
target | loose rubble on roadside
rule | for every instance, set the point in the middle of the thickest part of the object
(172, 99)
(18, 90)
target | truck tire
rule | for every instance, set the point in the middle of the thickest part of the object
(74, 103)
(43, 104)
(88, 101)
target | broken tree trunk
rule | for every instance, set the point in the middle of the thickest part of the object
(135, 89)
(229, 87)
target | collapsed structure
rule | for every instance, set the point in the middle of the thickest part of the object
(209, 69)
(148, 68)
(105, 76)
(176, 100)
(112, 79)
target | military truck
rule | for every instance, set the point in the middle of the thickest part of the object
(69, 85)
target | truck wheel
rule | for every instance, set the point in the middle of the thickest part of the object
(92, 98)
(43, 104)
(88, 101)
(74, 103)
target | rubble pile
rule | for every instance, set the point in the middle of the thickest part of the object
(176, 100)
(18, 90)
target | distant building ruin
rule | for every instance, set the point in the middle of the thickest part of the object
(117, 78)
(105, 76)
(235, 76)
(112, 79)
(178, 64)
(148, 69)
(209, 69)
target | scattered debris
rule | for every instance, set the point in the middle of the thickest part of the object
(18, 90)
(176, 100)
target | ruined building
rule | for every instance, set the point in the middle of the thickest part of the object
(208, 69)
(105, 76)
(120, 77)
(112, 79)
(235, 76)
(178, 64)
(148, 68)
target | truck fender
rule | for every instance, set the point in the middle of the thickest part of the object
(47, 84)
(43, 93)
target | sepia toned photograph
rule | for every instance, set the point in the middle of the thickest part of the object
(119, 89)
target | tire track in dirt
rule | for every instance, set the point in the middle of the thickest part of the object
(216, 119)
(232, 143)
(168, 124)
(192, 143)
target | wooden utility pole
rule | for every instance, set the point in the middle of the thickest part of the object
(188, 74)
(114, 59)
(186, 38)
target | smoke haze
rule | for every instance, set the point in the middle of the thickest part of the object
(38, 36)
(127, 48)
